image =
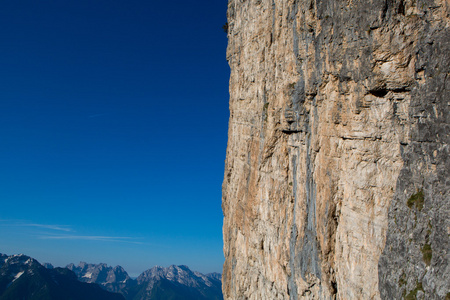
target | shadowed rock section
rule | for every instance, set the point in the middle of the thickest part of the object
(336, 178)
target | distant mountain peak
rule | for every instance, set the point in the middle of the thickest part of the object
(48, 265)
(114, 279)
(22, 277)
(173, 282)
(153, 283)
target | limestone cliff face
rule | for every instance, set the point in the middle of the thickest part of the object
(337, 172)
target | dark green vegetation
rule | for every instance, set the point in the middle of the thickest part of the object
(427, 254)
(413, 294)
(402, 281)
(266, 106)
(416, 200)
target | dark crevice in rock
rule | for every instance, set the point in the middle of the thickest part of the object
(288, 131)
(385, 9)
(401, 8)
(403, 89)
(380, 93)
(334, 287)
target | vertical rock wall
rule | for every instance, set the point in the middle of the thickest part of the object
(338, 115)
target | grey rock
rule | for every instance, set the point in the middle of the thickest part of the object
(338, 116)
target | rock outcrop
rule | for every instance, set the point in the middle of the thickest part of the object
(337, 173)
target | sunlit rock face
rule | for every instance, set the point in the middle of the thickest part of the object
(337, 173)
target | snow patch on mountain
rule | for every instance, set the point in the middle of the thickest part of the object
(18, 275)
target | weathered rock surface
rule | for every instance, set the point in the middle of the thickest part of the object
(337, 172)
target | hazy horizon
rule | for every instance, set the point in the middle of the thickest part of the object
(132, 275)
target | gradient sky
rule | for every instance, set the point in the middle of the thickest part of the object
(113, 130)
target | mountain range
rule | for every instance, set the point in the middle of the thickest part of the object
(22, 277)
(174, 282)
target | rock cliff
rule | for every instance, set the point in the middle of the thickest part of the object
(337, 178)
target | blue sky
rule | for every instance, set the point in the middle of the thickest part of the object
(113, 129)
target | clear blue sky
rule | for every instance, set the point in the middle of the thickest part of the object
(113, 124)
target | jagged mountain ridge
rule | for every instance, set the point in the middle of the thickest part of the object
(192, 285)
(22, 277)
(181, 274)
(113, 279)
(173, 282)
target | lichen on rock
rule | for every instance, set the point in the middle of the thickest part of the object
(337, 170)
